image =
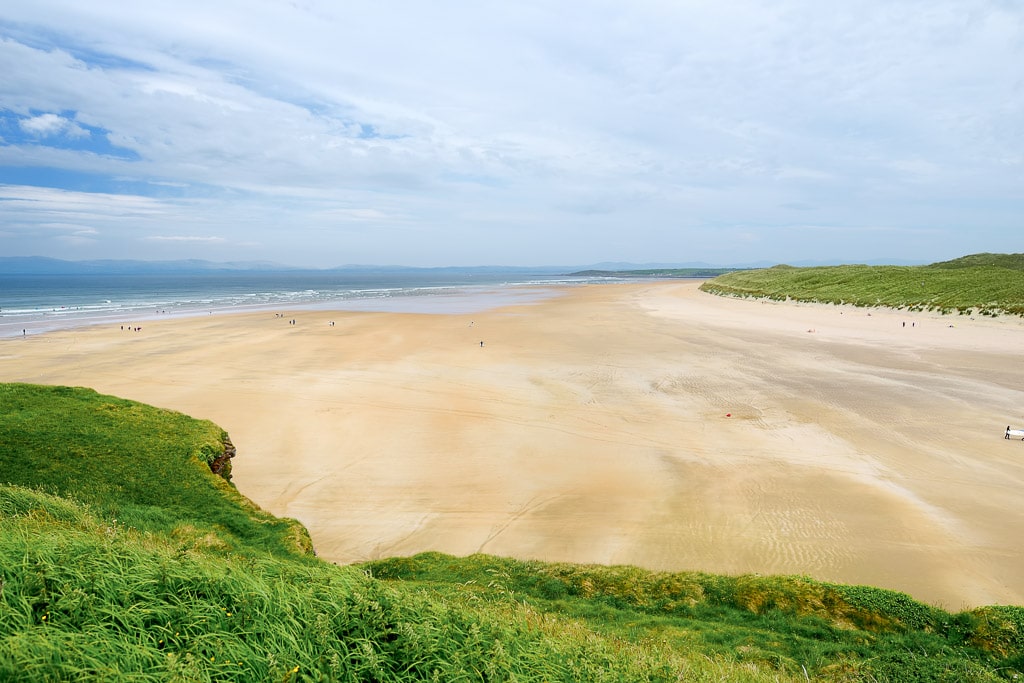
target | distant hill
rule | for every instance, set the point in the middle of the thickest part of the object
(656, 273)
(983, 284)
(1009, 261)
(41, 265)
(38, 265)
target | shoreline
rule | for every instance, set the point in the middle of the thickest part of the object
(446, 299)
(641, 423)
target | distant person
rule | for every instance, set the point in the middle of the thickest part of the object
(481, 345)
(1007, 432)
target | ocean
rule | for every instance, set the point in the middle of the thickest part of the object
(32, 304)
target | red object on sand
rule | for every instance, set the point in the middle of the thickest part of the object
(728, 414)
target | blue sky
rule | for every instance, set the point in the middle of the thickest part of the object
(317, 133)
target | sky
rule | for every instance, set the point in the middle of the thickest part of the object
(316, 133)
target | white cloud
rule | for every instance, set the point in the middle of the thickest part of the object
(50, 124)
(569, 125)
(359, 215)
(54, 201)
(68, 228)
(185, 238)
(47, 124)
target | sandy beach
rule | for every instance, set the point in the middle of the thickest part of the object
(643, 423)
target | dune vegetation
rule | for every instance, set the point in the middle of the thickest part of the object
(123, 556)
(980, 284)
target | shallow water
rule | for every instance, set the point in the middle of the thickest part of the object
(36, 304)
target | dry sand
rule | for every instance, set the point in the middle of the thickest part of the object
(642, 423)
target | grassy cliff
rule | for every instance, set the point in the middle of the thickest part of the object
(124, 557)
(982, 284)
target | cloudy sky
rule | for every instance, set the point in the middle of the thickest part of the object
(321, 133)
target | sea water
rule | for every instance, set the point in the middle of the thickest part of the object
(31, 304)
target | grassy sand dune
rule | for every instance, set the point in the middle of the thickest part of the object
(982, 284)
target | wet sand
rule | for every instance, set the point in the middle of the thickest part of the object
(641, 423)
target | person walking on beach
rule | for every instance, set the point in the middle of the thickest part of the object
(1007, 432)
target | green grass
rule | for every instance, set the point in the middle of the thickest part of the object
(1008, 261)
(981, 284)
(783, 623)
(85, 600)
(140, 465)
(123, 557)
